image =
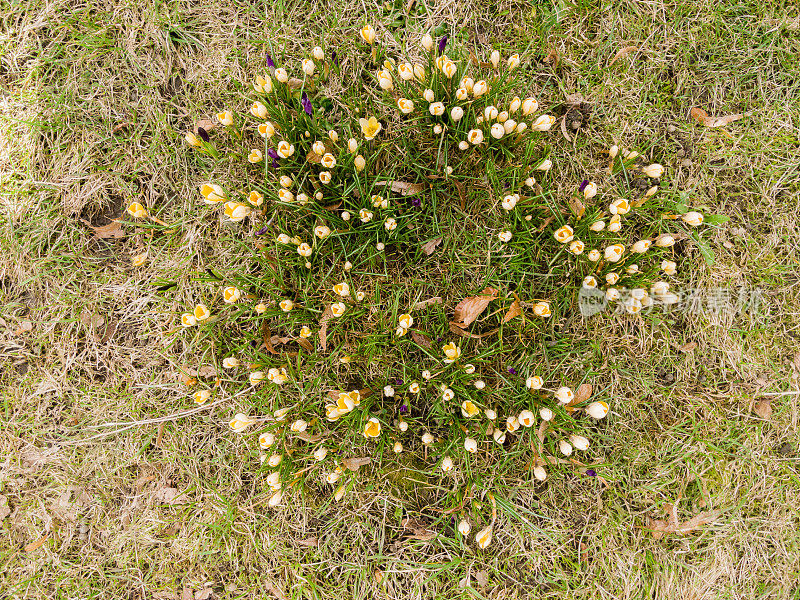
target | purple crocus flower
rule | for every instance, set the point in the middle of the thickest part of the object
(270, 63)
(274, 156)
(416, 202)
(403, 409)
(442, 44)
(583, 185)
(334, 58)
(264, 229)
(512, 370)
(591, 472)
(306, 104)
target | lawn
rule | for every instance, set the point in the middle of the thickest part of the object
(114, 484)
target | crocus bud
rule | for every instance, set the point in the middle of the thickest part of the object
(495, 58)
(655, 170)
(641, 246)
(513, 62)
(368, 34)
(498, 131)
(484, 537)
(692, 218)
(509, 125)
(526, 418)
(470, 445)
(590, 191)
(479, 88)
(427, 438)
(192, 139)
(515, 105)
(360, 163)
(308, 66)
(281, 75)
(546, 414)
(464, 527)
(540, 473)
(436, 109)
(669, 267)
(419, 72)
(613, 151)
(665, 241)
(529, 105)
(427, 42)
(318, 53)
(428, 95)
(579, 442)
(597, 410)
(564, 395)
(565, 447)
(475, 136)
(456, 113)
(545, 165)
(352, 145)
(534, 383)
(543, 123)
(614, 253)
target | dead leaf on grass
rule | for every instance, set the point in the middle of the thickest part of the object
(106, 232)
(37, 544)
(430, 246)
(552, 58)
(404, 188)
(545, 223)
(305, 344)
(187, 594)
(295, 83)
(423, 303)
(576, 206)
(622, 53)
(24, 326)
(514, 311)
(311, 542)
(323, 328)
(418, 529)
(661, 527)
(272, 589)
(474, 336)
(763, 408)
(4, 510)
(482, 578)
(206, 124)
(702, 117)
(421, 339)
(688, 347)
(470, 308)
(354, 464)
(170, 495)
(308, 437)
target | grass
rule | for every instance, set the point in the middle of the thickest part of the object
(682, 428)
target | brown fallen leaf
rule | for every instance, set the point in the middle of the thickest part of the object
(576, 206)
(470, 308)
(354, 464)
(582, 394)
(661, 527)
(462, 196)
(308, 437)
(313, 158)
(295, 83)
(688, 347)
(206, 124)
(564, 128)
(120, 126)
(106, 232)
(763, 408)
(311, 542)
(702, 117)
(187, 594)
(482, 578)
(165, 596)
(423, 303)
(475, 336)
(170, 495)
(514, 311)
(323, 328)
(418, 529)
(429, 246)
(404, 188)
(378, 574)
(545, 223)
(305, 344)
(206, 371)
(4, 510)
(622, 53)
(207, 593)
(24, 326)
(421, 339)
(552, 58)
(37, 544)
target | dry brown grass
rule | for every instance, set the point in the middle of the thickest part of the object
(684, 427)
